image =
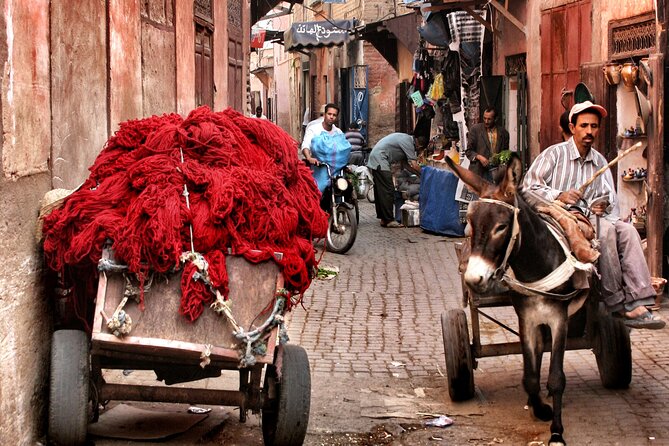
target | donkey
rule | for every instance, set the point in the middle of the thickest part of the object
(506, 232)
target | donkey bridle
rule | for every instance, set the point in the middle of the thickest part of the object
(557, 277)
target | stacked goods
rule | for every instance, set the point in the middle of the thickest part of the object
(211, 184)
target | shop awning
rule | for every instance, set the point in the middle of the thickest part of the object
(305, 35)
(385, 34)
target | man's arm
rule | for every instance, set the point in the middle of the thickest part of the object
(472, 151)
(306, 146)
(539, 177)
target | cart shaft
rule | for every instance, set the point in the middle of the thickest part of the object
(123, 392)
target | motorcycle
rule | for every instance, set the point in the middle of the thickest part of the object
(340, 201)
(365, 183)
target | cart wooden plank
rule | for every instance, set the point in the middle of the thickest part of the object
(160, 330)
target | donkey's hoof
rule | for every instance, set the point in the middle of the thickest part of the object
(556, 440)
(544, 412)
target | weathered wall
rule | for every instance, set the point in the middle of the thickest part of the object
(532, 25)
(26, 142)
(603, 11)
(382, 82)
(25, 323)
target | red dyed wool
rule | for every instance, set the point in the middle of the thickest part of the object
(248, 193)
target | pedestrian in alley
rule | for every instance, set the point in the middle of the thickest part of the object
(556, 174)
(258, 114)
(484, 140)
(396, 147)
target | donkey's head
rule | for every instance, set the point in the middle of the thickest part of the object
(491, 222)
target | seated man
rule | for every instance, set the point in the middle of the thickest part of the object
(357, 141)
(557, 173)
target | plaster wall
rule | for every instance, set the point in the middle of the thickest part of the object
(25, 148)
(533, 24)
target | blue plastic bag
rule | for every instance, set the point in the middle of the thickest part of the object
(333, 150)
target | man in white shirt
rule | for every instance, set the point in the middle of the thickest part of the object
(318, 126)
(557, 173)
(258, 114)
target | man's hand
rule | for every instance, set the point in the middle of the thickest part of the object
(569, 197)
(483, 160)
(413, 165)
(599, 206)
(312, 160)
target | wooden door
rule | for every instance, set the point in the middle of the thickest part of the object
(565, 45)
(204, 67)
(236, 81)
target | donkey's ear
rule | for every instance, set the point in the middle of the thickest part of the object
(512, 178)
(472, 180)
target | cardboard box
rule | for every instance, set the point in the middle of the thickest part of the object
(410, 217)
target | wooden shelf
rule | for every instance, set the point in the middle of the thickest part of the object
(634, 180)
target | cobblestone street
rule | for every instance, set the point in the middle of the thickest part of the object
(373, 336)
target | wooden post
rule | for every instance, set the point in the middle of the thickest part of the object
(655, 217)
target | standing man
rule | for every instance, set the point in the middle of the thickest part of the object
(485, 140)
(556, 174)
(396, 147)
(317, 127)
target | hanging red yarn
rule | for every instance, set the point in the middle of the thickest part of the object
(248, 194)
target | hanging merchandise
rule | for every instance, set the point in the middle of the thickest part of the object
(417, 98)
(437, 88)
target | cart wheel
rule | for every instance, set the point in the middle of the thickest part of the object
(613, 352)
(69, 388)
(459, 364)
(287, 399)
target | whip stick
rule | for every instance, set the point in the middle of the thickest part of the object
(612, 163)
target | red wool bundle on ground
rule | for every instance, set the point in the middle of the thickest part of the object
(247, 192)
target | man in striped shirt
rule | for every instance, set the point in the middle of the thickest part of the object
(557, 173)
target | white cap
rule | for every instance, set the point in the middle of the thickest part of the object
(583, 106)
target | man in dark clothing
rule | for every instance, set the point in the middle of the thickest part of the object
(357, 141)
(396, 147)
(484, 140)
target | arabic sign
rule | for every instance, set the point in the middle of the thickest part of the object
(317, 34)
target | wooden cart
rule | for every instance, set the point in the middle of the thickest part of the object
(590, 328)
(179, 351)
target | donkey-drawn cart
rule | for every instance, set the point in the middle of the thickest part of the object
(590, 328)
(274, 379)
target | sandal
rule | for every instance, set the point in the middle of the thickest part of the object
(393, 224)
(645, 320)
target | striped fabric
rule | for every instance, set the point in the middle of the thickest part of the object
(465, 28)
(560, 168)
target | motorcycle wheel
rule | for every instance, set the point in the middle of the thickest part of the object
(370, 194)
(342, 241)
